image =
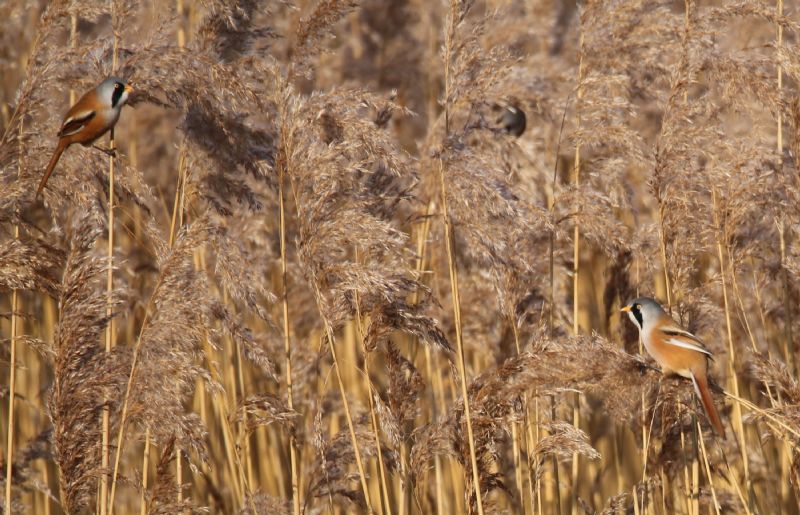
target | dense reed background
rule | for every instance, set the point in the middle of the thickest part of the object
(316, 233)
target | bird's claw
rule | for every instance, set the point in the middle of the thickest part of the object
(110, 152)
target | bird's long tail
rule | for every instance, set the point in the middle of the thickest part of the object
(51, 165)
(701, 388)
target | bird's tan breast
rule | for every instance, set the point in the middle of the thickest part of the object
(672, 358)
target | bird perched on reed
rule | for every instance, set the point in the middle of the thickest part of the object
(510, 117)
(676, 350)
(92, 116)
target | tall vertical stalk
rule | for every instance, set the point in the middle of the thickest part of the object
(12, 390)
(178, 208)
(287, 347)
(349, 417)
(788, 344)
(385, 505)
(451, 260)
(576, 257)
(145, 465)
(459, 341)
(737, 410)
(422, 239)
(12, 367)
(551, 311)
(337, 369)
(704, 454)
(109, 335)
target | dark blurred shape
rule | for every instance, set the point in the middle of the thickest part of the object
(511, 118)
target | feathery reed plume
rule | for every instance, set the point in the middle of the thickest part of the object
(24, 478)
(294, 335)
(331, 478)
(31, 265)
(162, 497)
(260, 502)
(85, 378)
(169, 345)
(263, 410)
(776, 375)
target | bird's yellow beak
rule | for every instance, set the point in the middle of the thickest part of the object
(626, 309)
(128, 88)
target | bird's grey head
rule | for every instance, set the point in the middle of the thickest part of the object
(114, 92)
(643, 309)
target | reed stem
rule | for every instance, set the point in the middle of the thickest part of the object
(287, 346)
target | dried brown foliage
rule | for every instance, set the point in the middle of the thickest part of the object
(280, 187)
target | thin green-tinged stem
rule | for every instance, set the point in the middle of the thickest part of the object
(229, 404)
(517, 455)
(538, 434)
(244, 435)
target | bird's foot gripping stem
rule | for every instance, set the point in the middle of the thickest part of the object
(110, 152)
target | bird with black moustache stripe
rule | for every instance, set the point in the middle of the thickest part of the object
(92, 116)
(675, 349)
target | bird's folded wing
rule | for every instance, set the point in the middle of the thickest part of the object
(680, 338)
(75, 123)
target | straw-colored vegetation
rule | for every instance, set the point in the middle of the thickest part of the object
(320, 276)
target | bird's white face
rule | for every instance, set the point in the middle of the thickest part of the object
(644, 313)
(113, 93)
(634, 311)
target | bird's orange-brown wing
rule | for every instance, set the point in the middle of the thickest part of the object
(74, 124)
(79, 115)
(679, 337)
